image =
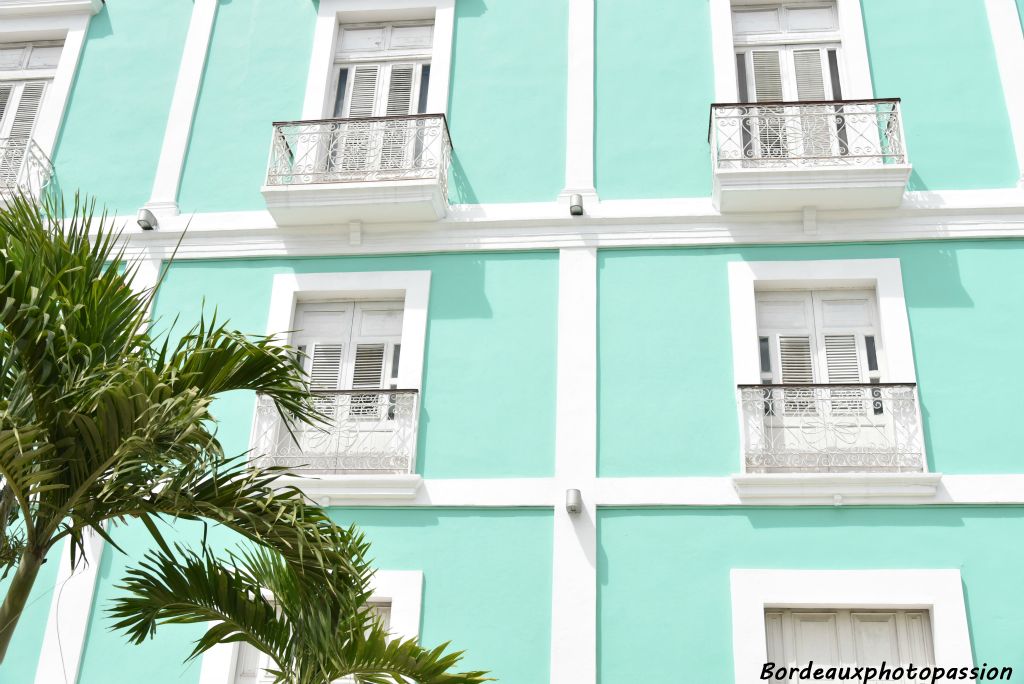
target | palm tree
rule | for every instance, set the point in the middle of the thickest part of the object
(102, 423)
(311, 636)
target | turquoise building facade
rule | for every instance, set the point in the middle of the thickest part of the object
(664, 339)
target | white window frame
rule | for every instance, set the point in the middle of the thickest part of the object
(884, 276)
(938, 591)
(333, 13)
(410, 287)
(854, 67)
(26, 21)
(402, 588)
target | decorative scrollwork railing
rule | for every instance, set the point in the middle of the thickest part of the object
(367, 431)
(779, 135)
(388, 148)
(831, 428)
(23, 166)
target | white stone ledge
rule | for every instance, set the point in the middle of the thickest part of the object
(30, 8)
(329, 490)
(837, 488)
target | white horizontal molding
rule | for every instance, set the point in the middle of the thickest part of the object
(30, 8)
(737, 190)
(383, 201)
(622, 223)
(338, 490)
(837, 489)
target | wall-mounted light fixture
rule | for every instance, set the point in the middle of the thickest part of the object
(576, 205)
(573, 501)
(146, 219)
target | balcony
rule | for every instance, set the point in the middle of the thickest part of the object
(385, 169)
(872, 428)
(785, 156)
(833, 444)
(23, 167)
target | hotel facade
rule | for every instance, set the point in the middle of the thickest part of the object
(658, 339)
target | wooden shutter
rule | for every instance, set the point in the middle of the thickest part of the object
(368, 367)
(400, 90)
(19, 131)
(810, 79)
(363, 98)
(327, 361)
(859, 638)
(767, 75)
(6, 90)
(770, 121)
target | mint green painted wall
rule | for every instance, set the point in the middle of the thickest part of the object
(486, 580)
(666, 402)
(23, 654)
(107, 657)
(1020, 12)
(117, 112)
(654, 83)
(664, 603)
(489, 381)
(957, 125)
(487, 588)
(507, 100)
(255, 75)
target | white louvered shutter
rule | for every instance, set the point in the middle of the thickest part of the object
(816, 122)
(6, 92)
(323, 332)
(21, 112)
(399, 134)
(355, 147)
(376, 331)
(771, 122)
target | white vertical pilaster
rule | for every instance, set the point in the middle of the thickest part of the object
(722, 52)
(579, 134)
(441, 57)
(1008, 41)
(574, 572)
(70, 609)
(164, 198)
(51, 116)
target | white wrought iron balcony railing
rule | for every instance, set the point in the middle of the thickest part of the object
(786, 135)
(390, 148)
(367, 432)
(831, 428)
(23, 166)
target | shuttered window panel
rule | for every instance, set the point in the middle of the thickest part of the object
(810, 81)
(364, 90)
(368, 369)
(5, 96)
(325, 368)
(842, 359)
(400, 87)
(767, 75)
(28, 109)
(796, 364)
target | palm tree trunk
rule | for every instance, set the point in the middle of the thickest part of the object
(17, 596)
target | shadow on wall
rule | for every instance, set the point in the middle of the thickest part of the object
(457, 180)
(936, 279)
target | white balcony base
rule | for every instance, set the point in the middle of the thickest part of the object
(333, 490)
(385, 201)
(792, 189)
(836, 489)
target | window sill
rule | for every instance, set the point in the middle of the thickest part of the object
(837, 489)
(333, 490)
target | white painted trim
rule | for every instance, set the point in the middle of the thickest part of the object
(579, 130)
(164, 197)
(403, 588)
(333, 12)
(836, 489)
(857, 69)
(574, 568)
(413, 287)
(939, 591)
(882, 275)
(39, 8)
(70, 609)
(1008, 41)
(71, 27)
(340, 490)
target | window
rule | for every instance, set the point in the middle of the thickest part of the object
(26, 72)
(251, 664)
(817, 337)
(858, 637)
(787, 53)
(382, 70)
